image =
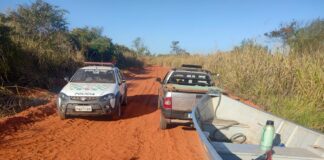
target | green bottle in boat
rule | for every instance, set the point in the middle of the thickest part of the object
(267, 136)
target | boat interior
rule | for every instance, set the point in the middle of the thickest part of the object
(234, 130)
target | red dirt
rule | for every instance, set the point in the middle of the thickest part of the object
(38, 133)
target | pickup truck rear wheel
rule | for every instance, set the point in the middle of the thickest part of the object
(163, 122)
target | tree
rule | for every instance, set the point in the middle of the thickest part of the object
(40, 20)
(36, 47)
(82, 37)
(176, 49)
(284, 32)
(92, 44)
(140, 48)
(7, 50)
(301, 38)
(43, 49)
(42, 28)
(101, 49)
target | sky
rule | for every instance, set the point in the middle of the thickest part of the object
(201, 26)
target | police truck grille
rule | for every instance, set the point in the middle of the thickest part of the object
(79, 98)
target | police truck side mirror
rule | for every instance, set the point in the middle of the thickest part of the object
(67, 79)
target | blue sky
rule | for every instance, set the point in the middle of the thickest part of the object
(201, 26)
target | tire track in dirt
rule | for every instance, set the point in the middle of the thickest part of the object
(149, 102)
(135, 136)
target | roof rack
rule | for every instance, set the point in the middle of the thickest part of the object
(109, 64)
(191, 66)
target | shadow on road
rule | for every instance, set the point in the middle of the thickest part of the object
(138, 105)
(139, 78)
(187, 126)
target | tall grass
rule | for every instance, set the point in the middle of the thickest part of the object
(289, 86)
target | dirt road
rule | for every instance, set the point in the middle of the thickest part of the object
(135, 136)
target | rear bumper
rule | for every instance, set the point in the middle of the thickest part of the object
(173, 114)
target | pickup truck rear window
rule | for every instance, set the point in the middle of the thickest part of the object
(94, 76)
(190, 78)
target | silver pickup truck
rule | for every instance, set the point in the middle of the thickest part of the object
(180, 89)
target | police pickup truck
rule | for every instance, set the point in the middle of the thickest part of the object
(96, 89)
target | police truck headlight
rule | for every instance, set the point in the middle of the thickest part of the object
(107, 97)
(63, 96)
(110, 98)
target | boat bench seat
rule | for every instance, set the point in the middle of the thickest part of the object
(220, 123)
(249, 151)
(227, 123)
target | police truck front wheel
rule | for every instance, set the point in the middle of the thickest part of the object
(61, 114)
(118, 111)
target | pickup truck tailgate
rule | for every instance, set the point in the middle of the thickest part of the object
(184, 101)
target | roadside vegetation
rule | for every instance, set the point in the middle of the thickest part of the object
(287, 82)
(37, 50)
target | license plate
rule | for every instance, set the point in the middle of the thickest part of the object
(83, 108)
(189, 115)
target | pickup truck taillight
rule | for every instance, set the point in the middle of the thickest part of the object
(167, 103)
